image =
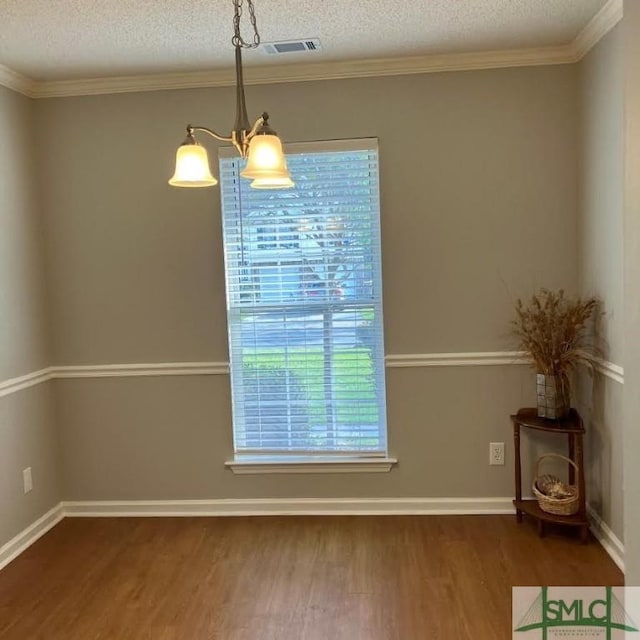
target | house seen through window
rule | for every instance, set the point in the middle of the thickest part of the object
(304, 304)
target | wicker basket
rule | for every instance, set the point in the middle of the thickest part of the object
(557, 506)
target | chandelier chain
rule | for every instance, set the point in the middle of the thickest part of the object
(238, 40)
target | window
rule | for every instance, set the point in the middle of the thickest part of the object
(304, 305)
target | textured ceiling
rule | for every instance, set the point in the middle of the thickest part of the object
(68, 39)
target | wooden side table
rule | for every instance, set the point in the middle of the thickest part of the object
(574, 429)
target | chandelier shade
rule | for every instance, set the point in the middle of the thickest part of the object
(192, 167)
(266, 159)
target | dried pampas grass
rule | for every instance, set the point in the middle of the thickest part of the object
(552, 330)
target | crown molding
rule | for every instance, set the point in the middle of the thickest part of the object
(17, 82)
(570, 53)
(141, 83)
(273, 74)
(607, 18)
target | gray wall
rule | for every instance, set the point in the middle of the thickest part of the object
(478, 175)
(479, 206)
(23, 321)
(27, 435)
(600, 227)
(600, 259)
(631, 26)
(27, 439)
(168, 438)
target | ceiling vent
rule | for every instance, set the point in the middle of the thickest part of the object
(292, 46)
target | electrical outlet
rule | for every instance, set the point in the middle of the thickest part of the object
(27, 480)
(496, 453)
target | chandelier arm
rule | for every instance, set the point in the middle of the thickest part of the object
(256, 125)
(212, 133)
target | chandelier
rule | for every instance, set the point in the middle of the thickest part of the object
(259, 144)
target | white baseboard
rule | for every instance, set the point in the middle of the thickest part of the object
(26, 538)
(283, 507)
(607, 539)
(292, 506)
(322, 507)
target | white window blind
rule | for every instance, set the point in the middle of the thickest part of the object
(304, 304)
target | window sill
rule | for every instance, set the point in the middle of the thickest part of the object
(309, 464)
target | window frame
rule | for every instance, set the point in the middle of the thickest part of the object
(318, 461)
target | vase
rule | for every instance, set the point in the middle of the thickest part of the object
(553, 396)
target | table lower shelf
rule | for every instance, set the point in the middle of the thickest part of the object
(531, 508)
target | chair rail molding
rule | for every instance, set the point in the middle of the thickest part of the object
(134, 370)
(472, 359)
(396, 361)
(612, 371)
(12, 385)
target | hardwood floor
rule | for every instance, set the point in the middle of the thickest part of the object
(285, 578)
